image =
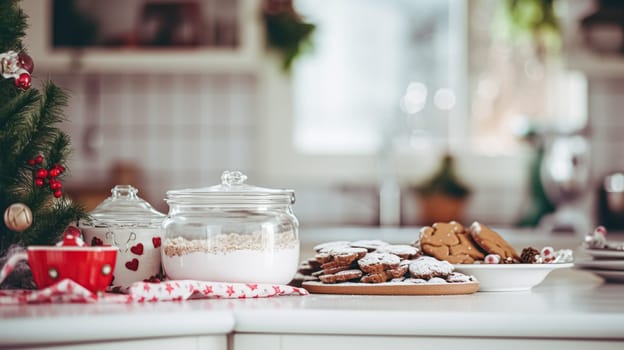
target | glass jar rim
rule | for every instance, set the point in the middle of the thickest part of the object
(232, 190)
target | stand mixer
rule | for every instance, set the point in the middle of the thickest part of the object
(565, 173)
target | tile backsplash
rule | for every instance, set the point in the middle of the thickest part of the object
(162, 131)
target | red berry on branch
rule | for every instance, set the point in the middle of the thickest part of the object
(31, 162)
(39, 182)
(23, 81)
(56, 185)
(41, 173)
(58, 193)
(26, 62)
(39, 159)
(59, 167)
(54, 172)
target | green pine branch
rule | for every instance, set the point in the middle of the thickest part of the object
(44, 135)
(29, 127)
(13, 24)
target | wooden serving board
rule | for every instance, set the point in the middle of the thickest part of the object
(391, 288)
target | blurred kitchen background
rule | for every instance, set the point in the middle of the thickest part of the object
(393, 113)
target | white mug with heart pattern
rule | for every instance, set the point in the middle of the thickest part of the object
(133, 226)
(138, 256)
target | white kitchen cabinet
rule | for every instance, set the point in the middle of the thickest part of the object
(216, 342)
(327, 342)
(242, 58)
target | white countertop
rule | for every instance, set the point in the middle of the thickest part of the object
(67, 323)
(570, 304)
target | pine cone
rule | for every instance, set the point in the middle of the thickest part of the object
(529, 255)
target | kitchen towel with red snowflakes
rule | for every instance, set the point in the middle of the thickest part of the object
(68, 291)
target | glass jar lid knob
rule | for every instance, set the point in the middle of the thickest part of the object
(233, 178)
(124, 191)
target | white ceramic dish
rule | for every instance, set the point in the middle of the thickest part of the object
(509, 277)
(605, 253)
(609, 275)
(600, 264)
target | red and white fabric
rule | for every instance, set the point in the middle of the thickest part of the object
(68, 291)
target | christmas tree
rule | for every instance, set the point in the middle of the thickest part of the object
(33, 149)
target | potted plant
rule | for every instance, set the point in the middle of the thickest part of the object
(443, 195)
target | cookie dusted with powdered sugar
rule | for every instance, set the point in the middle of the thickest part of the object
(369, 244)
(325, 247)
(403, 251)
(427, 267)
(341, 276)
(457, 277)
(378, 262)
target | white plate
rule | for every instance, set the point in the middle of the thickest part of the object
(609, 275)
(605, 253)
(508, 277)
(600, 264)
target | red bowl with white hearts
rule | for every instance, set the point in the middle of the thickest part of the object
(91, 267)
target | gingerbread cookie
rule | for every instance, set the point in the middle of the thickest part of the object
(427, 267)
(492, 242)
(450, 242)
(399, 272)
(305, 268)
(346, 255)
(437, 280)
(299, 278)
(342, 276)
(322, 258)
(457, 277)
(377, 277)
(378, 262)
(314, 265)
(415, 280)
(334, 266)
(403, 251)
(324, 247)
(369, 244)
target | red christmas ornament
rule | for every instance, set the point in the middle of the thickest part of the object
(58, 193)
(39, 159)
(23, 81)
(39, 182)
(41, 173)
(26, 62)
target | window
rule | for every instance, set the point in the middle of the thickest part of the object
(381, 72)
(393, 84)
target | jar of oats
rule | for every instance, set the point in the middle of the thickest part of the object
(231, 232)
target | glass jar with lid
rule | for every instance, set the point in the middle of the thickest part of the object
(126, 221)
(232, 232)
